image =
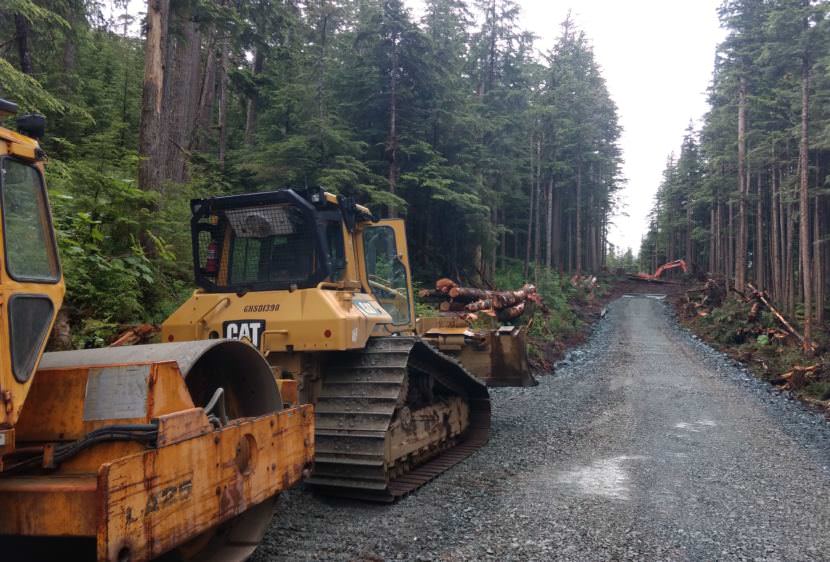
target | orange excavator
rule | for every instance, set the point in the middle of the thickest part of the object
(656, 276)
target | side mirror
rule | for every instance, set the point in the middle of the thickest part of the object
(32, 125)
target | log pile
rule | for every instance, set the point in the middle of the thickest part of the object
(135, 335)
(504, 305)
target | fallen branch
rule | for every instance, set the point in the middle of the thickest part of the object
(135, 335)
(760, 295)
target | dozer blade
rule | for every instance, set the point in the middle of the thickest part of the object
(392, 417)
(508, 364)
(498, 356)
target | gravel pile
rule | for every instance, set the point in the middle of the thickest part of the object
(646, 443)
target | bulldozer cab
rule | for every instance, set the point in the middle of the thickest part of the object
(31, 285)
(265, 242)
(283, 241)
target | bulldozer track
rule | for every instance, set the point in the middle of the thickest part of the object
(360, 395)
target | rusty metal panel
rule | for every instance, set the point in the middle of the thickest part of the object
(116, 393)
(53, 505)
(153, 501)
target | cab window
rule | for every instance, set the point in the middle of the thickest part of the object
(30, 245)
(386, 273)
(337, 250)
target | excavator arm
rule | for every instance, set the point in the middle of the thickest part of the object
(657, 275)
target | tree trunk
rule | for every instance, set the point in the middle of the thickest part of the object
(180, 105)
(392, 141)
(578, 218)
(804, 202)
(557, 229)
(537, 243)
(207, 91)
(690, 258)
(21, 39)
(759, 262)
(818, 257)
(790, 267)
(549, 225)
(223, 97)
(150, 128)
(320, 93)
(253, 100)
(530, 221)
(494, 219)
(503, 241)
(741, 242)
(712, 236)
(817, 266)
(730, 245)
(775, 238)
(570, 238)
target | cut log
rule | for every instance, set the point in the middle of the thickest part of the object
(501, 299)
(511, 313)
(469, 294)
(452, 306)
(431, 294)
(508, 299)
(480, 305)
(444, 285)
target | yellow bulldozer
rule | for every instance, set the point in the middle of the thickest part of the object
(131, 453)
(323, 289)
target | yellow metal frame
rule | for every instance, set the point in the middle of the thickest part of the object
(12, 392)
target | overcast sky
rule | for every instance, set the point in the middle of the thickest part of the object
(657, 58)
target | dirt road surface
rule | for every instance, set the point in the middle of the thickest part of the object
(645, 444)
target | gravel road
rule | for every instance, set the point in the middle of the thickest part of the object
(644, 444)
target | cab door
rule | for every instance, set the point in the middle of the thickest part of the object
(385, 272)
(31, 285)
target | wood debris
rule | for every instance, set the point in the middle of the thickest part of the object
(504, 305)
(701, 300)
(797, 377)
(135, 335)
(761, 297)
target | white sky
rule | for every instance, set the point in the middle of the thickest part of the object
(657, 58)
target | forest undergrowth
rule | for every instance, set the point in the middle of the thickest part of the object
(759, 345)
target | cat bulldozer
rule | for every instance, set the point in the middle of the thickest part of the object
(130, 453)
(323, 289)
